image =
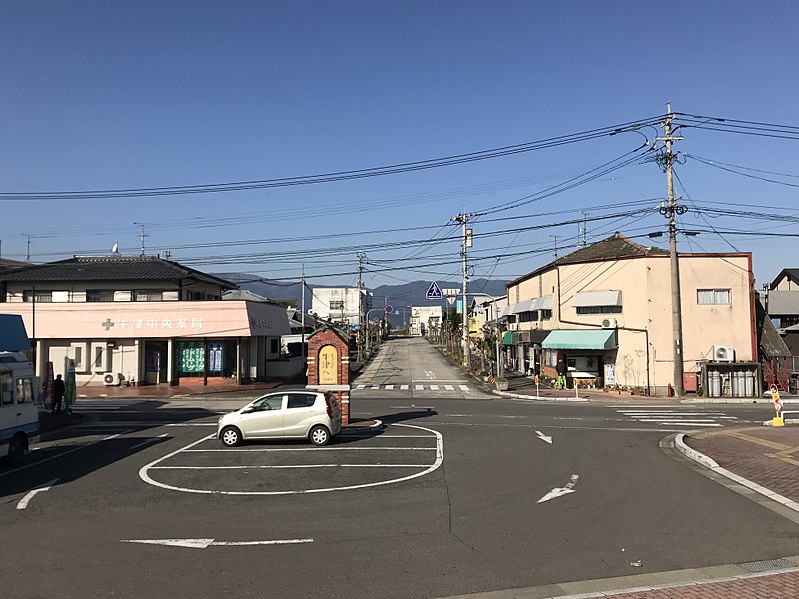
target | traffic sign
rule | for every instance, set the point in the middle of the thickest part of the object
(434, 292)
(775, 395)
(389, 309)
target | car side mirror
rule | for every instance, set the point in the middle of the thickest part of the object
(248, 410)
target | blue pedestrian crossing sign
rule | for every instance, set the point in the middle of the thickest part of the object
(434, 293)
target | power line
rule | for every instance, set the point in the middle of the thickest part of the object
(337, 175)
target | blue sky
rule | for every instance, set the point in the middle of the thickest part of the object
(119, 95)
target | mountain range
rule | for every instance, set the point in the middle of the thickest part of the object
(407, 294)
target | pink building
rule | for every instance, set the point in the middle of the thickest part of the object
(142, 319)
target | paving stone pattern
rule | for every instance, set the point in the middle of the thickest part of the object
(773, 586)
(768, 456)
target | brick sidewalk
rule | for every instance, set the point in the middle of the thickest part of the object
(768, 456)
(772, 586)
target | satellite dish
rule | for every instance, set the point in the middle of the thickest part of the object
(115, 249)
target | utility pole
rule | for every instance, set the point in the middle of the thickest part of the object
(302, 310)
(466, 242)
(361, 257)
(670, 210)
(141, 236)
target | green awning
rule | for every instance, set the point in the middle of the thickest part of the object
(600, 339)
(507, 338)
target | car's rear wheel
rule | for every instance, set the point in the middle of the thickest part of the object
(230, 436)
(319, 435)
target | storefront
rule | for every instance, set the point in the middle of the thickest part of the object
(124, 343)
(589, 355)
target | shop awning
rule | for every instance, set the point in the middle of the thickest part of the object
(525, 306)
(12, 333)
(507, 338)
(585, 299)
(601, 339)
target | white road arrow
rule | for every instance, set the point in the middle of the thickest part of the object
(558, 491)
(543, 437)
(23, 503)
(203, 543)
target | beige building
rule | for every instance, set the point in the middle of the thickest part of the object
(425, 318)
(606, 311)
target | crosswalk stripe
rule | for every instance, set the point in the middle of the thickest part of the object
(692, 418)
(406, 387)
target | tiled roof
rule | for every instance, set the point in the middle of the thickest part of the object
(783, 303)
(769, 340)
(615, 247)
(243, 294)
(110, 268)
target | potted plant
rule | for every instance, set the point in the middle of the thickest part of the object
(502, 383)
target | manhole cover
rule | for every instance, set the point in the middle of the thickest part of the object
(767, 565)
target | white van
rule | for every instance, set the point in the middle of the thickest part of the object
(19, 414)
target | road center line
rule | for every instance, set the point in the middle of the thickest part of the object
(148, 441)
(61, 455)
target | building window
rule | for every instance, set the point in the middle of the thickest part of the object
(336, 304)
(40, 297)
(528, 316)
(598, 309)
(713, 296)
(546, 314)
(24, 390)
(148, 296)
(273, 347)
(99, 296)
(551, 357)
(6, 390)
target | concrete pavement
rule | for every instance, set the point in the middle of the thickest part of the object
(767, 458)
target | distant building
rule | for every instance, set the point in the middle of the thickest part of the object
(341, 305)
(425, 318)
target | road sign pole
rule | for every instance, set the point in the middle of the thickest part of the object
(775, 395)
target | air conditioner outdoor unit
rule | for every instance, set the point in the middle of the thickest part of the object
(609, 323)
(723, 353)
(109, 378)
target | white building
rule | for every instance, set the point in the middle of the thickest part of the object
(341, 304)
(423, 318)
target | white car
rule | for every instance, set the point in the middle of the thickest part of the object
(289, 414)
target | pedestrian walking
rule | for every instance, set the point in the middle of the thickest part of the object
(58, 394)
(562, 370)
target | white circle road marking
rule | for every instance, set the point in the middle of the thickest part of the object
(439, 449)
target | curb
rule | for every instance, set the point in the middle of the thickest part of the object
(356, 428)
(537, 397)
(709, 463)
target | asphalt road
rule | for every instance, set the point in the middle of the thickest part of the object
(445, 500)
